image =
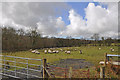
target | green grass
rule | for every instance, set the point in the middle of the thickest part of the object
(90, 53)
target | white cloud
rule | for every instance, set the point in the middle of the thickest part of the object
(51, 26)
(43, 16)
(99, 20)
(77, 24)
(30, 13)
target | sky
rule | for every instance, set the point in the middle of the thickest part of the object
(61, 19)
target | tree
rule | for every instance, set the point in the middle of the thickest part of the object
(103, 41)
(95, 37)
(109, 41)
(34, 37)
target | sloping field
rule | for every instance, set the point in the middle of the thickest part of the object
(89, 59)
(89, 53)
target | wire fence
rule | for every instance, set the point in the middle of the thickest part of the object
(112, 71)
(16, 71)
(72, 73)
(58, 71)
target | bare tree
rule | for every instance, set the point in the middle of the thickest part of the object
(95, 37)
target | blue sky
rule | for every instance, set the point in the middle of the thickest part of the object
(79, 7)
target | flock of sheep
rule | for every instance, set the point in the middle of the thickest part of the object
(55, 50)
(35, 51)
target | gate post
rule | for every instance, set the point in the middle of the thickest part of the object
(102, 72)
(88, 73)
(44, 67)
(105, 60)
(70, 72)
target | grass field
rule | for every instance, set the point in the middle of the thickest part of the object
(90, 53)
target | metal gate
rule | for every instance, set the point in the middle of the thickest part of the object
(10, 67)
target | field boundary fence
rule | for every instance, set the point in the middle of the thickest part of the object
(60, 72)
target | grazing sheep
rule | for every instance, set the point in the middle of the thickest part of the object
(49, 51)
(112, 49)
(33, 51)
(65, 51)
(99, 48)
(54, 51)
(68, 52)
(37, 52)
(57, 51)
(80, 51)
(45, 51)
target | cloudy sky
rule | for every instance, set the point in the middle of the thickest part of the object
(61, 19)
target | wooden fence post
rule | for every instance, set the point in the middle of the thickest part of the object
(70, 72)
(102, 72)
(88, 73)
(105, 60)
(44, 67)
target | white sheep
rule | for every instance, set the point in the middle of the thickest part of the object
(57, 51)
(68, 52)
(112, 49)
(65, 51)
(33, 51)
(54, 51)
(49, 51)
(37, 52)
(45, 51)
(99, 48)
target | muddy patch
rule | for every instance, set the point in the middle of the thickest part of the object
(74, 63)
